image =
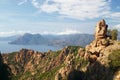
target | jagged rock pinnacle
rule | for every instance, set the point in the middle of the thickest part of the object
(94, 49)
(101, 30)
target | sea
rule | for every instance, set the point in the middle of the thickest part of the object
(5, 47)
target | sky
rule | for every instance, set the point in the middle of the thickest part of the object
(56, 16)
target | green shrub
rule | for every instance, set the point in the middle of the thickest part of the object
(74, 49)
(113, 34)
(114, 58)
(48, 75)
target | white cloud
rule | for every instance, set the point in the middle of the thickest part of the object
(115, 14)
(35, 3)
(10, 33)
(114, 17)
(65, 32)
(22, 2)
(77, 9)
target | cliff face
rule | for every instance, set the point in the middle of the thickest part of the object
(98, 61)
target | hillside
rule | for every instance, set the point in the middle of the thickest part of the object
(100, 60)
(30, 65)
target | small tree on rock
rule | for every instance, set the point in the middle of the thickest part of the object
(112, 34)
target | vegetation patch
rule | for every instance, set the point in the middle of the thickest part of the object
(114, 58)
(49, 75)
(74, 49)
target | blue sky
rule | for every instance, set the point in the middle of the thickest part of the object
(56, 16)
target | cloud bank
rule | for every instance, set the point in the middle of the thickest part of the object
(76, 9)
(10, 33)
(65, 32)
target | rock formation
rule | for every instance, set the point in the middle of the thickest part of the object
(98, 45)
(101, 30)
(98, 51)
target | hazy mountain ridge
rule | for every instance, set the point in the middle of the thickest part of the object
(30, 39)
(54, 40)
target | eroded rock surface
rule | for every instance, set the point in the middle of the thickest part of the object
(96, 47)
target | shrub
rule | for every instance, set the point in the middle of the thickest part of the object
(114, 58)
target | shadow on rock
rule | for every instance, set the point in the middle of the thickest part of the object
(5, 73)
(97, 71)
(75, 75)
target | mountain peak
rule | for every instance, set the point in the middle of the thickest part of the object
(30, 39)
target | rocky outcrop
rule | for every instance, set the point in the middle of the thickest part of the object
(101, 30)
(96, 48)
(81, 52)
(71, 67)
(28, 61)
(65, 71)
(117, 75)
(98, 51)
(24, 61)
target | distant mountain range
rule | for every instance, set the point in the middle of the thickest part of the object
(73, 39)
(54, 40)
(30, 39)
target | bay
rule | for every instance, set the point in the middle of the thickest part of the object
(8, 48)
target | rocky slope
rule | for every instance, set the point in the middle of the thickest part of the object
(30, 65)
(100, 60)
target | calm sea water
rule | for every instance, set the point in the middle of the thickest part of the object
(7, 48)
